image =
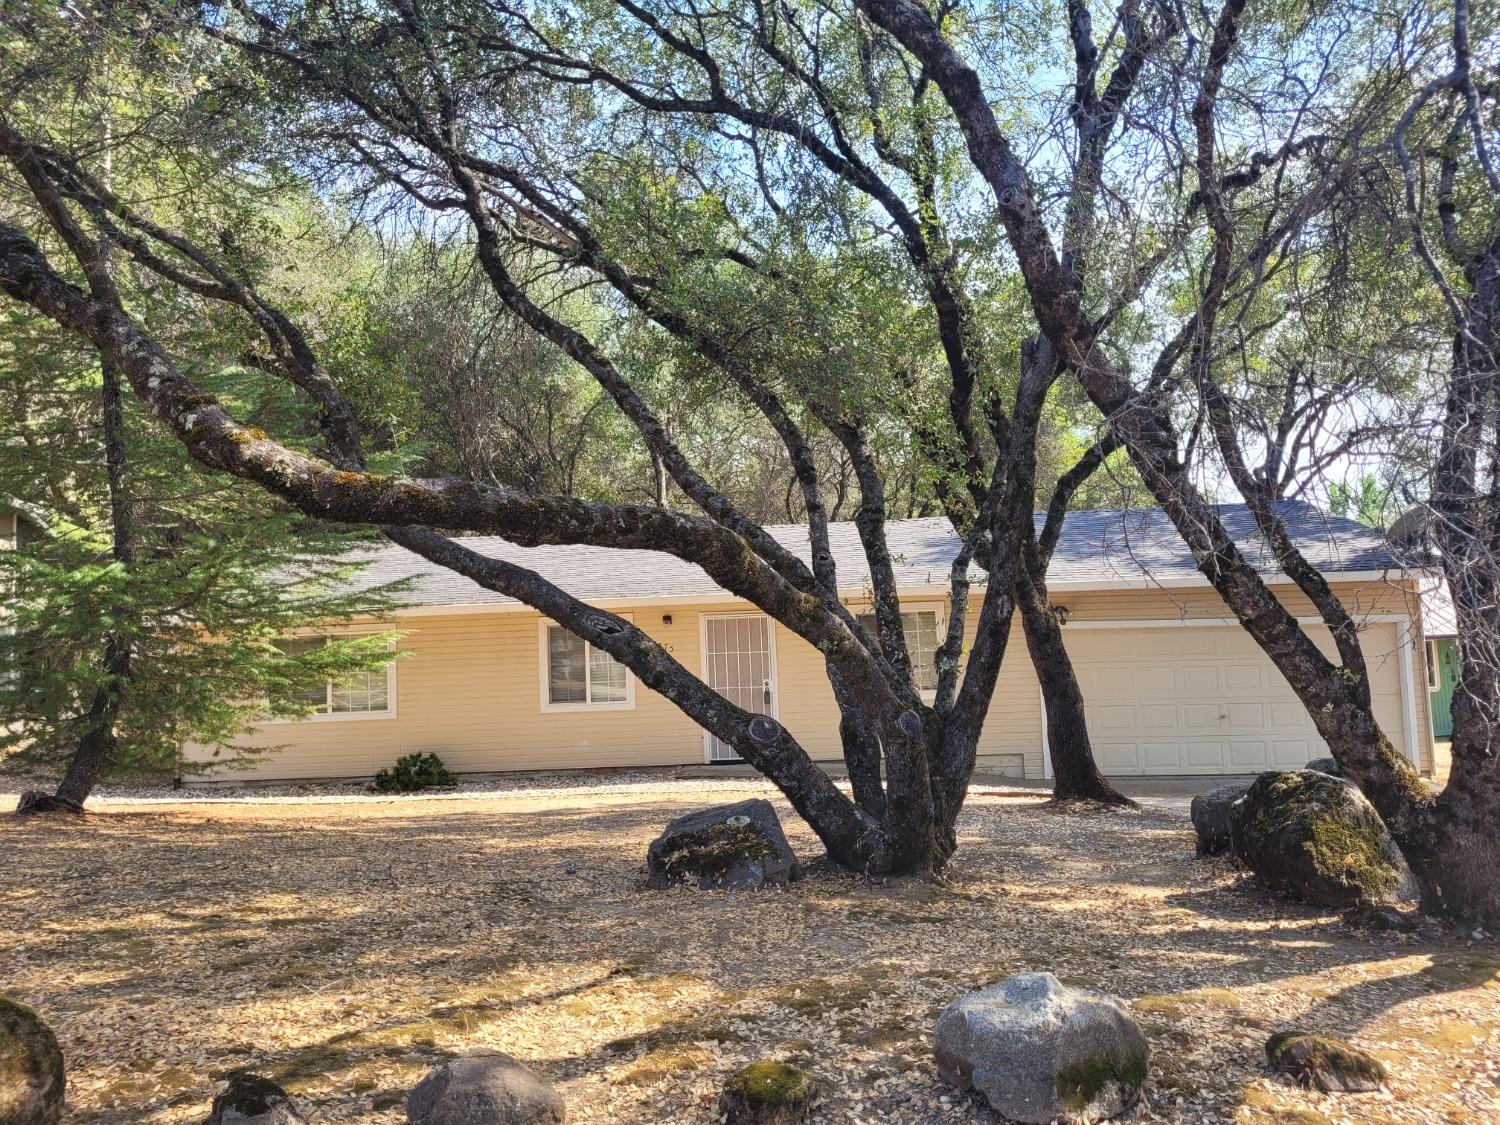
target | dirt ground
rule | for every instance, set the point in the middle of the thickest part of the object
(345, 947)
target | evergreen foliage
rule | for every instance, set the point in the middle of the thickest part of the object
(220, 571)
(413, 772)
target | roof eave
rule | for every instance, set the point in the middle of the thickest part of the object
(861, 593)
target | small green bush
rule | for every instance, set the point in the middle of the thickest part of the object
(412, 772)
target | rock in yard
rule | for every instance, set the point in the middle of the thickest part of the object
(1325, 765)
(1317, 838)
(735, 847)
(31, 1068)
(1039, 1050)
(251, 1099)
(1326, 1064)
(768, 1093)
(483, 1088)
(1210, 812)
(1380, 918)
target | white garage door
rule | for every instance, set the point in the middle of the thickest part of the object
(1203, 700)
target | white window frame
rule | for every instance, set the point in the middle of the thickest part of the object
(544, 670)
(940, 627)
(332, 716)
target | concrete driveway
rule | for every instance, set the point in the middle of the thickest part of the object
(1172, 794)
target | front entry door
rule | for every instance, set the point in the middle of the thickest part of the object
(739, 662)
(1443, 652)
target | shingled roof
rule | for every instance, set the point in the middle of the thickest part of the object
(1129, 547)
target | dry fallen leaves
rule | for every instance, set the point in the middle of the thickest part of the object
(345, 945)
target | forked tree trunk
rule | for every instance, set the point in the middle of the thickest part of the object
(1452, 841)
(928, 751)
(862, 755)
(1075, 775)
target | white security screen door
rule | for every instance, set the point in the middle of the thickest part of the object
(739, 662)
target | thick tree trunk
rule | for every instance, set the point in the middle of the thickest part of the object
(1457, 831)
(1075, 776)
(1460, 864)
(862, 756)
(1450, 840)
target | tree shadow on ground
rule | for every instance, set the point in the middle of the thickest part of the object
(454, 911)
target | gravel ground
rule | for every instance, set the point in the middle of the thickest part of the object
(344, 944)
(547, 782)
(542, 783)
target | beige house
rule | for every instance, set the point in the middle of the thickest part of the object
(1173, 685)
(16, 527)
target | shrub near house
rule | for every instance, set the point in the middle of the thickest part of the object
(413, 772)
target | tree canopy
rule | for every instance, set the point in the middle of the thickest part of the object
(953, 258)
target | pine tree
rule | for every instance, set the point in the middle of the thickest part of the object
(114, 659)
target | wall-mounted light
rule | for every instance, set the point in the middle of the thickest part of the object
(1062, 614)
(666, 619)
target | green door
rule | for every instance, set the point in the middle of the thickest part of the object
(1445, 672)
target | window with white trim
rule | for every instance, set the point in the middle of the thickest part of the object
(362, 693)
(578, 675)
(920, 628)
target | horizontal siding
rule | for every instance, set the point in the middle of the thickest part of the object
(1012, 730)
(468, 689)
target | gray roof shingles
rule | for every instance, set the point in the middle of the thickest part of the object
(1106, 546)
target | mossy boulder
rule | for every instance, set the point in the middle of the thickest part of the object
(1210, 813)
(1316, 838)
(32, 1082)
(734, 847)
(1038, 1050)
(768, 1093)
(1321, 1062)
(253, 1099)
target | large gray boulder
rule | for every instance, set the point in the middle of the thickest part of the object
(484, 1088)
(733, 847)
(1210, 813)
(1038, 1050)
(252, 1099)
(1317, 838)
(32, 1082)
(1325, 765)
